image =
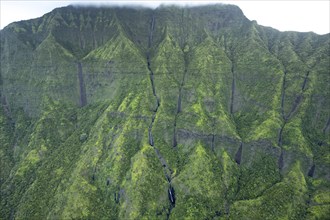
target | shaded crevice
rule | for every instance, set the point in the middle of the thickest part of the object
(167, 170)
(82, 90)
(151, 139)
(297, 100)
(299, 97)
(287, 117)
(179, 99)
(118, 194)
(212, 142)
(230, 53)
(93, 175)
(171, 195)
(280, 161)
(303, 88)
(283, 95)
(151, 74)
(233, 88)
(213, 135)
(280, 136)
(6, 106)
(311, 171)
(179, 108)
(182, 82)
(295, 105)
(171, 198)
(326, 127)
(152, 28)
(175, 142)
(116, 197)
(238, 155)
(152, 80)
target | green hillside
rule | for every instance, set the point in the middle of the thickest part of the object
(167, 113)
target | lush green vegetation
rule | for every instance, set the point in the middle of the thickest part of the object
(175, 113)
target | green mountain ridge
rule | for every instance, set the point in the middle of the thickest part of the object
(167, 113)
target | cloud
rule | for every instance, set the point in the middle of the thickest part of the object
(283, 15)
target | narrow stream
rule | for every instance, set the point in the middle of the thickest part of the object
(167, 170)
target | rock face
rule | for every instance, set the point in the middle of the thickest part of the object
(124, 113)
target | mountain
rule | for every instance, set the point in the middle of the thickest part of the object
(167, 113)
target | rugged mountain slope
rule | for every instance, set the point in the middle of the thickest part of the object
(168, 113)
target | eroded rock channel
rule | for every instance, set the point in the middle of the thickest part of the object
(82, 89)
(167, 170)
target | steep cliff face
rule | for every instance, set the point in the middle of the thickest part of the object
(167, 113)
